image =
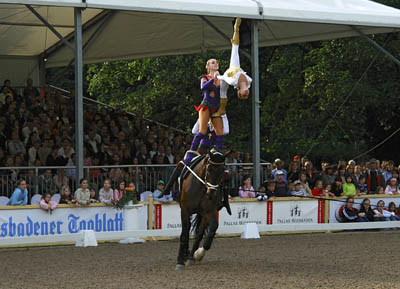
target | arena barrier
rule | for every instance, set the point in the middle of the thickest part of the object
(31, 225)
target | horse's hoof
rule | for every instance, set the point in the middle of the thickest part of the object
(199, 254)
(190, 262)
(179, 267)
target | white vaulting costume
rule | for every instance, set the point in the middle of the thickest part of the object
(230, 77)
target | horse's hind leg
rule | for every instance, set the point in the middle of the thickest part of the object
(184, 240)
(199, 236)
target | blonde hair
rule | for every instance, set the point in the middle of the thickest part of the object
(208, 63)
(64, 188)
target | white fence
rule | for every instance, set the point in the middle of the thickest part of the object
(31, 225)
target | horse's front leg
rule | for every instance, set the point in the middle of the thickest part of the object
(199, 236)
(210, 233)
(184, 240)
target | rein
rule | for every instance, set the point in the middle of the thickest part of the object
(208, 185)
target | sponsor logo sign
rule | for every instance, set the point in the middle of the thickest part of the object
(37, 222)
(297, 212)
(242, 213)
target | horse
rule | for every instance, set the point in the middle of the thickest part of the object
(201, 195)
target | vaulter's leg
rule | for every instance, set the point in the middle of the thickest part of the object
(219, 131)
(204, 116)
(223, 101)
(173, 178)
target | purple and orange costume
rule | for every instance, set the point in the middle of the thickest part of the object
(211, 101)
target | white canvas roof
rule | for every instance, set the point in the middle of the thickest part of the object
(140, 28)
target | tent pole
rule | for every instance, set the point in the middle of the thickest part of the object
(78, 94)
(52, 29)
(255, 104)
(377, 46)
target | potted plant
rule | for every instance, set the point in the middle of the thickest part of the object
(128, 198)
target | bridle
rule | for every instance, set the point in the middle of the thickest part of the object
(204, 181)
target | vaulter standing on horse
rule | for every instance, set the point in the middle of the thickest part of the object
(214, 88)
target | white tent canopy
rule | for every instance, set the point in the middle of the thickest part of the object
(124, 29)
(139, 28)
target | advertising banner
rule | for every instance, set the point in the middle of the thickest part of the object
(169, 216)
(335, 205)
(296, 212)
(37, 222)
(242, 213)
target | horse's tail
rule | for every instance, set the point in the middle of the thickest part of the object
(196, 223)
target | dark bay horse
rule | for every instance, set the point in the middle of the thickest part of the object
(200, 194)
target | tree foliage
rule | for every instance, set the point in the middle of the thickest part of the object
(302, 89)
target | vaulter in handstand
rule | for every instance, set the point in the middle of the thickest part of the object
(214, 89)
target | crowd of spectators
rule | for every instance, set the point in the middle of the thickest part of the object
(37, 129)
(346, 179)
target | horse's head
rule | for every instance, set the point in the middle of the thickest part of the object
(215, 167)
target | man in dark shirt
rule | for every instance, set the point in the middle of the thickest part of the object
(281, 188)
(374, 178)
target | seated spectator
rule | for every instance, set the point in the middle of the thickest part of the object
(270, 191)
(328, 191)
(304, 183)
(358, 174)
(20, 195)
(366, 214)
(381, 214)
(157, 192)
(60, 179)
(82, 194)
(106, 193)
(395, 174)
(261, 194)
(246, 190)
(362, 188)
(349, 189)
(392, 187)
(281, 188)
(29, 90)
(47, 204)
(392, 209)
(136, 194)
(349, 213)
(380, 190)
(374, 178)
(318, 191)
(290, 187)
(294, 171)
(93, 197)
(15, 146)
(387, 170)
(120, 191)
(46, 182)
(298, 190)
(279, 168)
(341, 172)
(33, 153)
(312, 175)
(65, 194)
(7, 83)
(66, 150)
